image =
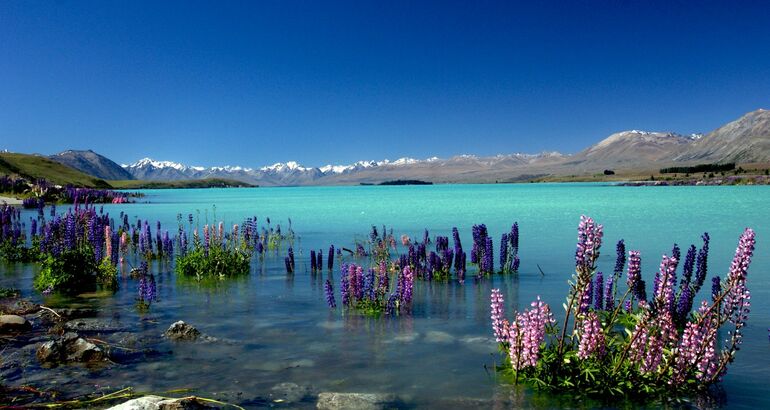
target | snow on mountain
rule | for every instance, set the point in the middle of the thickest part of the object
(293, 173)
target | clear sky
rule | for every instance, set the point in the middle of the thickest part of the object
(252, 83)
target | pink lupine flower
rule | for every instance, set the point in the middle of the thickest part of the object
(527, 333)
(665, 281)
(592, 342)
(405, 240)
(499, 322)
(108, 241)
(589, 241)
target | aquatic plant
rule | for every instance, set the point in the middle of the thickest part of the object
(509, 250)
(146, 288)
(215, 255)
(13, 236)
(629, 346)
(370, 292)
(77, 251)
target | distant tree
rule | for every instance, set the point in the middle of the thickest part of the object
(609, 172)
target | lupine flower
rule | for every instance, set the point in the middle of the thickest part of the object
(499, 322)
(589, 241)
(345, 287)
(329, 294)
(390, 307)
(319, 260)
(620, 260)
(599, 291)
(634, 278)
(527, 333)
(716, 287)
(664, 284)
(697, 348)
(488, 259)
(591, 337)
(702, 264)
(689, 265)
(609, 294)
(405, 240)
(406, 282)
(330, 260)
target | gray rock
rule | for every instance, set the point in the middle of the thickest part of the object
(142, 403)
(160, 403)
(182, 331)
(290, 392)
(68, 349)
(13, 323)
(359, 401)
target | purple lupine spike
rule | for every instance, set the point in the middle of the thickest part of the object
(589, 242)
(716, 287)
(664, 284)
(689, 266)
(598, 288)
(287, 262)
(620, 260)
(390, 307)
(369, 284)
(609, 294)
(345, 288)
(489, 261)
(683, 305)
(319, 260)
(329, 294)
(406, 282)
(702, 264)
(634, 278)
(330, 259)
(142, 287)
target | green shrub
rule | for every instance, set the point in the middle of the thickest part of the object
(217, 261)
(75, 270)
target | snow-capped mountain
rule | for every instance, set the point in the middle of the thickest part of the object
(294, 173)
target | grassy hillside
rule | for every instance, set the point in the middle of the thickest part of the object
(194, 183)
(34, 166)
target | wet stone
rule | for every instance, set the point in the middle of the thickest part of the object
(361, 401)
(70, 348)
(13, 323)
(160, 403)
(182, 331)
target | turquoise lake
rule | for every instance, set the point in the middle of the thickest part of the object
(276, 328)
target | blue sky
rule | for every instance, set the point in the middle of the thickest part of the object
(252, 83)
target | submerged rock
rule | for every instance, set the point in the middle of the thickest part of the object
(70, 348)
(13, 323)
(182, 331)
(161, 403)
(362, 401)
(291, 393)
(93, 325)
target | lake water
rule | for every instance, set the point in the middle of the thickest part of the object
(277, 328)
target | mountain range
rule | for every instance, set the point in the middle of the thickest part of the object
(745, 140)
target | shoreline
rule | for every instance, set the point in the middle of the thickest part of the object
(10, 200)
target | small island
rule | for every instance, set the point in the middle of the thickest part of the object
(406, 182)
